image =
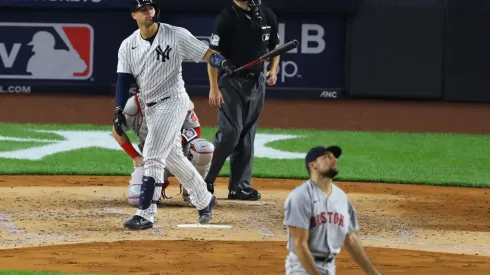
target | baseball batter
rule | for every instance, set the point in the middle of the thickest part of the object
(198, 150)
(153, 55)
(320, 218)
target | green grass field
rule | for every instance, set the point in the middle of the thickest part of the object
(423, 158)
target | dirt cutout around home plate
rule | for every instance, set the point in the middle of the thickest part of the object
(74, 223)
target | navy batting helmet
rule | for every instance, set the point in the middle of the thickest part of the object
(136, 4)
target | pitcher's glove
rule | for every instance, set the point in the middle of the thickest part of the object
(119, 121)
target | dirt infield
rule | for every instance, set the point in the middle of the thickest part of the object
(74, 224)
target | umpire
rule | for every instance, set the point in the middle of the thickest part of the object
(243, 32)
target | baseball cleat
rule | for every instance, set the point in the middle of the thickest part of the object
(138, 223)
(247, 194)
(205, 215)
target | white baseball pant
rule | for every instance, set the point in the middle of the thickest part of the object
(163, 148)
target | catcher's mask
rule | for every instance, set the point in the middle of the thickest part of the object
(137, 4)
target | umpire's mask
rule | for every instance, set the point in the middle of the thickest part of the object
(253, 3)
(256, 14)
(255, 10)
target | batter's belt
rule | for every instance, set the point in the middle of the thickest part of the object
(155, 102)
(324, 259)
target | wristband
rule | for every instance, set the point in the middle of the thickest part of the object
(129, 149)
(216, 60)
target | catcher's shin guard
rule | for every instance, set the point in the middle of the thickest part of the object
(147, 191)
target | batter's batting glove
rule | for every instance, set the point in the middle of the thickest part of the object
(216, 60)
(227, 67)
(119, 121)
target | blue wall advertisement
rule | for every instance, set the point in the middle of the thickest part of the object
(83, 43)
(318, 62)
(86, 47)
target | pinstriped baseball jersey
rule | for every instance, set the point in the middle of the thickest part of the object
(157, 67)
(134, 112)
(156, 64)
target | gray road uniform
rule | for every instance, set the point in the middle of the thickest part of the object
(328, 219)
(197, 149)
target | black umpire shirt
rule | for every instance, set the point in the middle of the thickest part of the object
(241, 40)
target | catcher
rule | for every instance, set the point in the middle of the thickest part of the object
(198, 150)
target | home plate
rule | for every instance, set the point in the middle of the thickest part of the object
(198, 225)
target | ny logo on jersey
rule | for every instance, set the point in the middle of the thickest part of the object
(164, 55)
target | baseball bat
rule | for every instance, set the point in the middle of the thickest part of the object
(283, 49)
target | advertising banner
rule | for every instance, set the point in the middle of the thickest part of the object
(315, 69)
(79, 50)
(60, 52)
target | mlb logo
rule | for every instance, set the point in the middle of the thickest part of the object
(51, 51)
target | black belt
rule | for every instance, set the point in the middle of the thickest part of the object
(158, 101)
(324, 259)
